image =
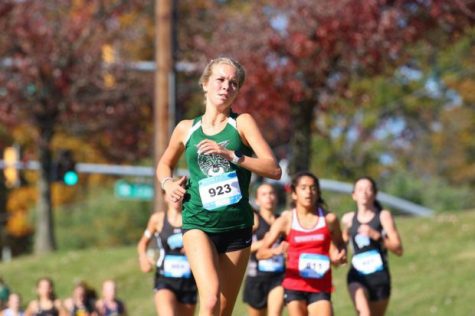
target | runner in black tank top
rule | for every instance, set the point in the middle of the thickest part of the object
(175, 288)
(46, 304)
(262, 287)
(371, 232)
(81, 302)
(173, 271)
(109, 304)
(369, 265)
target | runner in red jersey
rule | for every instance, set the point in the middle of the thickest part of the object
(313, 243)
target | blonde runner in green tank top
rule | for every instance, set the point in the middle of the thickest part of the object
(217, 191)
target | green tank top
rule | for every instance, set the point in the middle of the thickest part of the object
(207, 168)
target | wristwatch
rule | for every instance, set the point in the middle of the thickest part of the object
(237, 157)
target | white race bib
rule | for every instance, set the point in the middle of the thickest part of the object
(175, 266)
(220, 190)
(368, 262)
(313, 266)
(274, 264)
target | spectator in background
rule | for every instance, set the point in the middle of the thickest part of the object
(13, 306)
(371, 232)
(263, 292)
(80, 303)
(46, 303)
(109, 304)
(4, 293)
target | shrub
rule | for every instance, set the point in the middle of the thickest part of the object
(433, 192)
(101, 220)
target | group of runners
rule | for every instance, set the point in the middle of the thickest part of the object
(210, 238)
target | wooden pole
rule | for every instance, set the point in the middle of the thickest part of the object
(163, 73)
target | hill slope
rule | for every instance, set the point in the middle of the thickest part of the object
(434, 277)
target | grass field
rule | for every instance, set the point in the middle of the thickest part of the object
(436, 275)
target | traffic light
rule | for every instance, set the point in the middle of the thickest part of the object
(64, 168)
(11, 156)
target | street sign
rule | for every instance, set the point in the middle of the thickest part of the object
(134, 191)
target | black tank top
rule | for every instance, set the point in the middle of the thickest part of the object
(53, 311)
(170, 238)
(254, 267)
(114, 311)
(172, 258)
(365, 249)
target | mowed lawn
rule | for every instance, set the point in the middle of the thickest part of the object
(436, 275)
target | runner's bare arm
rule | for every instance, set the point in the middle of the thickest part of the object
(338, 250)
(346, 224)
(392, 239)
(170, 158)
(279, 227)
(154, 224)
(256, 244)
(264, 162)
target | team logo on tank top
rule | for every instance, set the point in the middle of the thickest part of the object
(175, 241)
(212, 165)
(362, 240)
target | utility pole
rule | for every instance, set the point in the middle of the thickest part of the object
(163, 92)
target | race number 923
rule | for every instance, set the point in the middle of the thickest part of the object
(219, 190)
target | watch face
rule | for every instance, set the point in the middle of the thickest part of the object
(237, 157)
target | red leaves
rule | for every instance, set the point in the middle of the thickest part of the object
(56, 68)
(315, 46)
(301, 46)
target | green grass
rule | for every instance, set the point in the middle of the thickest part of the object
(435, 276)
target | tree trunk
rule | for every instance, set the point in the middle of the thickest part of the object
(44, 234)
(300, 143)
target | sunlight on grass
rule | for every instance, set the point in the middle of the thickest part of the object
(434, 277)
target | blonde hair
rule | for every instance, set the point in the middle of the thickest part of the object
(241, 72)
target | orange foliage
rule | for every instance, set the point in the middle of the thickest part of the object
(17, 225)
(19, 202)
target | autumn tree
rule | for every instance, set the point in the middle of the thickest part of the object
(452, 138)
(424, 109)
(54, 77)
(300, 55)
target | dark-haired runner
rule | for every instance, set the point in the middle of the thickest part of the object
(310, 233)
(263, 292)
(371, 231)
(175, 288)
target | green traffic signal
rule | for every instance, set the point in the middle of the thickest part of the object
(71, 177)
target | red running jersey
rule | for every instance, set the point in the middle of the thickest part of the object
(308, 263)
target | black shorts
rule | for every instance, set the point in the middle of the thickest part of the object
(230, 241)
(256, 289)
(308, 297)
(184, 288)
(377, 284)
